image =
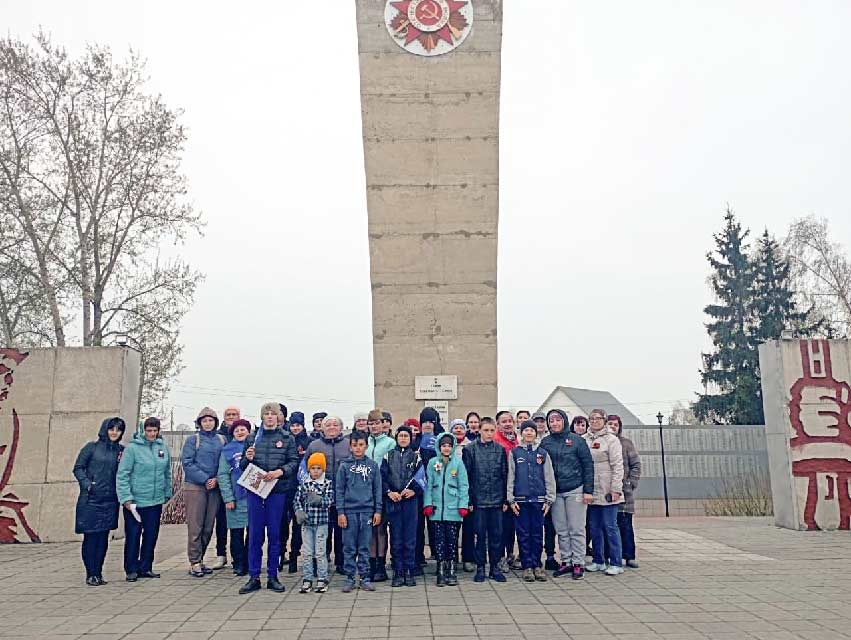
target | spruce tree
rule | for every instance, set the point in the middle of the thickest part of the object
(730, 372)
(774, 307)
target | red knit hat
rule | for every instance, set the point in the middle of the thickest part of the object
(412, 422)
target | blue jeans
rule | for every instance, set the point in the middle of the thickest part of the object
(356, 538)
(488, 535)
(403, 534)
(313, 540)
(264, 516)
(603, 521)
(530, 533)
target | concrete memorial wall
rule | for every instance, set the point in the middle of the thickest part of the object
(806, 389)
(430, 82)
(52, 401)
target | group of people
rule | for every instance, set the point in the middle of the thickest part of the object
(477, 492)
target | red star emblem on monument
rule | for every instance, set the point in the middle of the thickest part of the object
(430, 22)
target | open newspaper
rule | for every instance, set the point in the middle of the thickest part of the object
(252, 479)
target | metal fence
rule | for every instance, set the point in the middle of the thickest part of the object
(695, 462)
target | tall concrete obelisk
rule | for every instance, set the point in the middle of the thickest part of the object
(430, 81)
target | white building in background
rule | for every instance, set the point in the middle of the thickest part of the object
(579, 402)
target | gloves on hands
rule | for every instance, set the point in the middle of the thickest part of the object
(463, 512)
(300, 517)
(428, 512)
(313, 499)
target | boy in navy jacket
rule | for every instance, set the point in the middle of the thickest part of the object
(531, 492)
(358, 498)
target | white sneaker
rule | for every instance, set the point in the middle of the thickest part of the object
(613, 571)
(594, 567)
(220, 563)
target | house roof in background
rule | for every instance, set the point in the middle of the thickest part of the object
(588, 399)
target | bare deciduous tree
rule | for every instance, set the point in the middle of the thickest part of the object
(821, 272)
(90, 184)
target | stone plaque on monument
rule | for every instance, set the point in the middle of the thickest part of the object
(442, 408)
(429, 86)
(436, 387)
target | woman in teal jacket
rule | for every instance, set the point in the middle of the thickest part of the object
(446, 501)
(143, 483)
(234, 495)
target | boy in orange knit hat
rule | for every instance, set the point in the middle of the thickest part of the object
(312, 501)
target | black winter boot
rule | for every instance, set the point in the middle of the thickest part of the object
(441, 578)
(380, 570)
(293, 568)
(451, 576)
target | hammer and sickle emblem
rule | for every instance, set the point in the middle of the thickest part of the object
(430, 10)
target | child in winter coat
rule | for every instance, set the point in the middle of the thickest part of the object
(359, 505)
(234, 495)
(401, 490)
(313, 498)
(531, 492)
(446, 502)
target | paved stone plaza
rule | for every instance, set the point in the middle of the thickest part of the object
(699, 578)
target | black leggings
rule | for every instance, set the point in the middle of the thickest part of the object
(94, 549)
(445, 540)
(238, 554)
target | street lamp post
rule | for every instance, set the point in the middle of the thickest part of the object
(660, 417)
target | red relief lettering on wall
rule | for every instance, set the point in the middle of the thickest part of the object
(13, 521)
(819, 411)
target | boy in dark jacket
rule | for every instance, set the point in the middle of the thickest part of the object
(302, 442)
(487, 473)
(273, 450)
(358, 500)
(401, 490)
(574, 472)
(531, 491)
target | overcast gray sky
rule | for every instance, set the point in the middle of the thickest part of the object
(626, 128)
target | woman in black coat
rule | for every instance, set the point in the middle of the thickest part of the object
(97, 506)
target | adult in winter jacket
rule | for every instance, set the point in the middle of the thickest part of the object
(234, 495)
(458, 428)
(144, 485)
(378, 445)
(429, 427)
(574, 472)
(400, 489)
(631, 476)
(487, 473)
(607, 452)
(335, 447)
(97, 505)
(273, 450)
(446, 501)
(200, 458)
(302, 442)
(229, 416)
(506, 437)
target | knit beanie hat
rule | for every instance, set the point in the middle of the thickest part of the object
(528, 424)
(320, 416)
(316, 459)
(374, 416)
(404, 429)
(283, 409)
(412, 422)
(456, 423)
(386, 416)
(297, 418)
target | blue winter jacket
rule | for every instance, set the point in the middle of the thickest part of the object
(447, 489)
(201, 462)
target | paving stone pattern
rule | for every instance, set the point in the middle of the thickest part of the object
(699, 578)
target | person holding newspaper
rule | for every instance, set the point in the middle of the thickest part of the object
(273, 451)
